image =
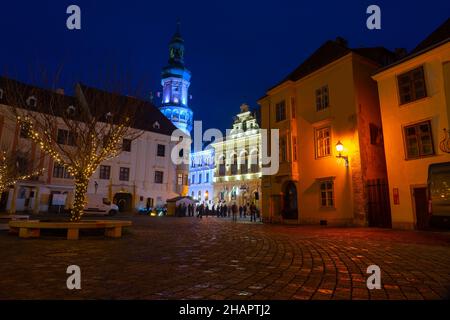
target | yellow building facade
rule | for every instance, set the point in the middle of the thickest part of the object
(330, 100)
(414, 96)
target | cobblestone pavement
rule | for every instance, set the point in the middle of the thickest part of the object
(188, 258)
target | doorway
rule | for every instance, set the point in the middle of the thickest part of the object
(123, 201)
(421, 207)
(290, 208)
(379, 207)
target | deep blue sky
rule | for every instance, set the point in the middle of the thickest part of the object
(235, 49)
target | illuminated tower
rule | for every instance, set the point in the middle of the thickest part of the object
(175, 79)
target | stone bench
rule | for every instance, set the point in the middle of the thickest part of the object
(32, 228)
(6, 218)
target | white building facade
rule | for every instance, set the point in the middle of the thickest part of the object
(201, 176)
(142, 175)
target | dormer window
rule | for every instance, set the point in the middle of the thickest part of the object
(71, 110)
(156, 125)
(32, 102)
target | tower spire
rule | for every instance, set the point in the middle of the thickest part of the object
(175, 79)
(178, 25)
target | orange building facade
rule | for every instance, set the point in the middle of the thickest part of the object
(332, 166)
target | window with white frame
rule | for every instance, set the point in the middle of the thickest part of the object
(159, 177)
(419, 140)
(323, 142)
(411, 85)
(322, 98)
(326, 193)
(59, 171)
(280, 111)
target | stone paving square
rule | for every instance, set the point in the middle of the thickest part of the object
(213, 258)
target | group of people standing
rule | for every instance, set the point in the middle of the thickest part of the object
(220, 210)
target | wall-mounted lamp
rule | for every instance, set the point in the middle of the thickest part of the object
(339, 149)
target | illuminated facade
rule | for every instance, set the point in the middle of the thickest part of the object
(201, 175)
(237, 176)
(329, 98)
(175, 79)
(414, 96)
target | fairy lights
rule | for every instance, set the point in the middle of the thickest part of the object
(10, 175)
(95, 142)
(96, 121)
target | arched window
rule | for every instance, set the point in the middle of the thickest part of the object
(222, 168)
(199, 195)
(254, 161)
(175, 114)
(243, 160)
(234, 164)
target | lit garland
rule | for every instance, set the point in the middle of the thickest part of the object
(85, 161)
(9, 175)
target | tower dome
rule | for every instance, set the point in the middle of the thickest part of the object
(175, 79)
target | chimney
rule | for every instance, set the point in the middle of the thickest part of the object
(400, 53)
(341, 41)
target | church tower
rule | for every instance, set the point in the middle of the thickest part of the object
(175, 79)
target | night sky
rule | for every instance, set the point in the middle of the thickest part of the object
(234, 49)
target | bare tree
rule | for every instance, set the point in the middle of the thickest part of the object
(78, 132)
(14, 168)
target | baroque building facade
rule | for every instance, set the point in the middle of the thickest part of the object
(237, 175)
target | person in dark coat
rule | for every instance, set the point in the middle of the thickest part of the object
(201, 211)
(234, 210)
(253, 212)
(240, 212)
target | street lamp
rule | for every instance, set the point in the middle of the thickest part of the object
(339, 149)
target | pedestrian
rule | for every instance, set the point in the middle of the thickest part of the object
(245, 210)
(253, 212)
(229, 211)
(201, 211)
(240, 212)
(225, 210)
(234, 210)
